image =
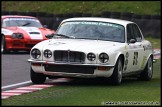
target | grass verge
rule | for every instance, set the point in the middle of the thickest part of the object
(94, 7)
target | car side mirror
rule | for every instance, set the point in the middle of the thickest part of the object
(49, 36)
(132, 41)
(45, 26)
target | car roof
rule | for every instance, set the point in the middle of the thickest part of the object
(110, 20)
(14, 16)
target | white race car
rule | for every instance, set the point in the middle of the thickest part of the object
(93, 47)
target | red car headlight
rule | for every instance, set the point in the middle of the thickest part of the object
(17, 36)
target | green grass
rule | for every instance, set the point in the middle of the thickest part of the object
(94, 7)
(95, 92)
(155, 42)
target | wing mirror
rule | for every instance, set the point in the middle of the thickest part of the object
(45, 26)
(49, 36)
(132, 41)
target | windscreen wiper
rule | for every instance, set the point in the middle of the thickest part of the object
(65, 36)
(26, 24)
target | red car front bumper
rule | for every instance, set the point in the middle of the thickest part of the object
(20, 44)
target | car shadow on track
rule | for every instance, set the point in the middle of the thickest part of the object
(97, 82)
(17, 53)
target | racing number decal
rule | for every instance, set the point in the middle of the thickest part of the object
(135, 58)
(126, 61)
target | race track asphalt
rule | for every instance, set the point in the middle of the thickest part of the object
(14, 68)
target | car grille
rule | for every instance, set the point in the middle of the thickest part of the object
(69, 57)
(69, 68)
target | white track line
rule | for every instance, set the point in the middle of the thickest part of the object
(28, 82)
(17, 84)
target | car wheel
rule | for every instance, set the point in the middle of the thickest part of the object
(116, 77)
(37, 78)
(148, 71)
(3, 45)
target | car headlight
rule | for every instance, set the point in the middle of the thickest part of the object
(103, 57)
(47, 53)
(91, 56)
(35, 53)
(17, 35)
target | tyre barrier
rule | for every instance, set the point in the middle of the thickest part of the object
(146, 16)
(68, 15)
(126, 16)
(31, 14)
(136, 16)
(86, 15)
(96, 15)
(106, 14)
(156, 17)
(115, 15)
(5, 12)
(77, 14)
(13, 13)
(23, 13)
(40, 14)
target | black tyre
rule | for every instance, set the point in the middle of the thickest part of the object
(37, 78)
(3, 45)
(148, 71)
(116, 77)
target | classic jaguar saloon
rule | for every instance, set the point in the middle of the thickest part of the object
(93, 47)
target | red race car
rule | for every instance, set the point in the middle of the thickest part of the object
(21, 32)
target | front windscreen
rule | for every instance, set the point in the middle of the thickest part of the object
(27, 22)
(92, 30)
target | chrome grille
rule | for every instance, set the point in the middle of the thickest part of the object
(69, 56)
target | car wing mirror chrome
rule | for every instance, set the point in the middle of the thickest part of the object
(132, 41)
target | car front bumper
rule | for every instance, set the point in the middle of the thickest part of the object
(20, 44)
(72, 69)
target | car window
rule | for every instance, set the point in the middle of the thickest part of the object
(93, 30)
(27, 22)
(137, 33)
(133, 33)
(129, 32)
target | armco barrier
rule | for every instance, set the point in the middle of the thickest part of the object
(149, 24)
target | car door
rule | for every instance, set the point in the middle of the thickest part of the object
(135, 48)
